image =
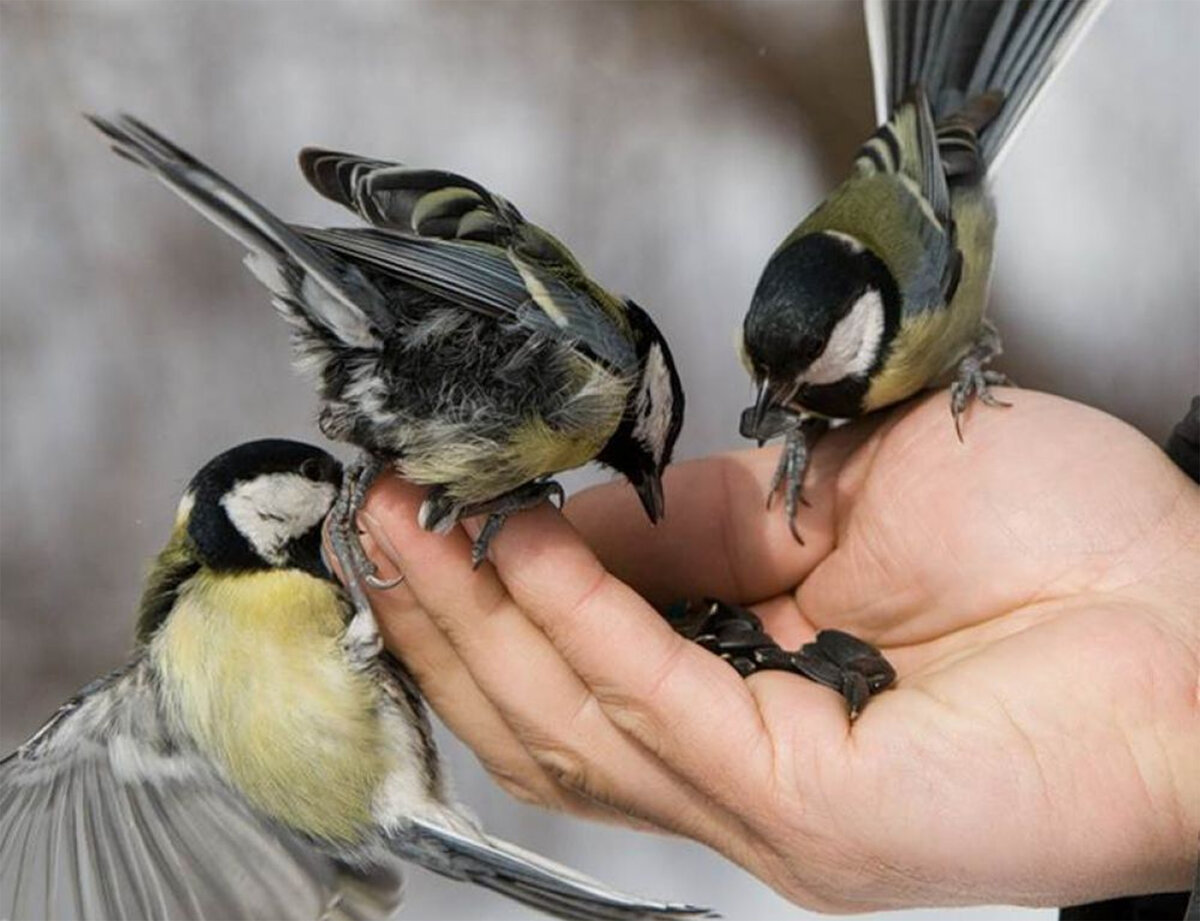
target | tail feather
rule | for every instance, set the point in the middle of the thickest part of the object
(332, 294)
(958, 50)
(527, 877)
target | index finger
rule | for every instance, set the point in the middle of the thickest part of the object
(678, 700)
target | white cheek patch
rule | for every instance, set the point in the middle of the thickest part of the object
(854, 344)
(276, 508)
(184, 509)
(654, 405)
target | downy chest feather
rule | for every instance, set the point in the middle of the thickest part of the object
(253, 669)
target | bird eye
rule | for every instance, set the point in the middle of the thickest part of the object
(313, 469)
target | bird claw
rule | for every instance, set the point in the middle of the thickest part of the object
(793, 465)
(497, 511)
(382, 585)
(975, 379)
(353, 561)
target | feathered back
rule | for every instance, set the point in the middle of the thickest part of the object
(958, 50)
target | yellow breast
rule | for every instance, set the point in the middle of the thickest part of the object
(253, 669)
(478, 469)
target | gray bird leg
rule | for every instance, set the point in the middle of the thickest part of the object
(975, 379)
(498, 510)
(353, 561)
(793, 464)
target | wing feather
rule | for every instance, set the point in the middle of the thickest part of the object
(426, 202)
(465, 854)
(106, 813)
(492, 281)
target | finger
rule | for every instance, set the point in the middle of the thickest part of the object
(684, 704)
(532, 687)
(450, 690)
(718, 537)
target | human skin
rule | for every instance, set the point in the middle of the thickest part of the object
(1035, 587)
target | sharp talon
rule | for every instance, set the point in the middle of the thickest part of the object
(770, 499)
(795, 529)
(383, 585)
(804, 502)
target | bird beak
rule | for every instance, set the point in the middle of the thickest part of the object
(763, 402)
(753, 418)
(650, 491)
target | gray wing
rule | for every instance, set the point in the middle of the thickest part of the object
(489, 280)
(908, 145)
(449, 234)
(465, 854)
(961, 49)
(425, 202)
(308, 287)
(105, 813)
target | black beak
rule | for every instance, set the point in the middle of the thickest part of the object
(650, 491)
(762, 403)
(762, 420)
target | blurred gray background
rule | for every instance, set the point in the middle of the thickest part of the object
(671, 145)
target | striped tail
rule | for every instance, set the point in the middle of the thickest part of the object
(960, 50)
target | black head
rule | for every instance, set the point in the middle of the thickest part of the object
(261, 505)
(642, 445)
(820, 323)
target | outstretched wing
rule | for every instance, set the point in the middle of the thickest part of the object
(479, 249)
(426, 202)
(106, 813)
(308, 287)
(490, 280)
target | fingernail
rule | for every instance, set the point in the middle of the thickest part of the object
(379, 548)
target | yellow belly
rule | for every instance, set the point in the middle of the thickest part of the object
(253, 669)
(476, 470)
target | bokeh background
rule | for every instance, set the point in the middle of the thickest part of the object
(671, 145)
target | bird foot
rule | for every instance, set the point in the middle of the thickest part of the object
(497, 511)
(793, 464)
(353, 561)
(975, 379)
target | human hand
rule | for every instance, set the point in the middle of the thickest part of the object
(1035, 588)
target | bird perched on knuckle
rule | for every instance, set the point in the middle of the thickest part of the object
(451, 338)
(260, 755)
(880, 292)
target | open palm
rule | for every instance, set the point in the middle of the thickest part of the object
(1034, 586)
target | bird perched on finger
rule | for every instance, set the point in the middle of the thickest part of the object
(880, 292)
(261, 755)
(451, 338)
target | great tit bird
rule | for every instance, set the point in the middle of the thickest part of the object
(452, 338)
(880, 291)
(260, 756)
